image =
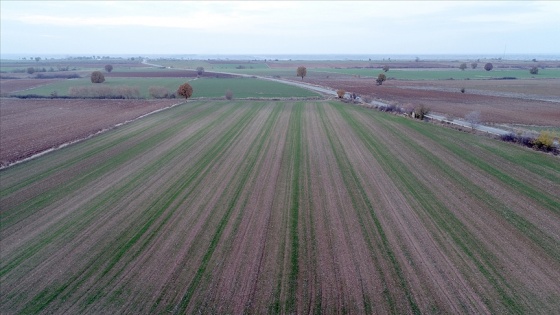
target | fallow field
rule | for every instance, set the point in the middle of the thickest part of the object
(281, 207)
(33, 126)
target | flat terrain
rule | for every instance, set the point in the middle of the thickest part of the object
(31, 126)
(522, 99)
(203, 87)
(281, 207)
(530, 102)
(14, 85)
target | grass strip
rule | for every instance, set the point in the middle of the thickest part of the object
(547, 243)
(296, 149)
(96, 169)
(360, 200)
(130, 236)
(66, 227)
(437, 212)
(239, 184)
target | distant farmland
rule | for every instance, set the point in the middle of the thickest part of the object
(456, 74)
(281, 207)
(204, 87)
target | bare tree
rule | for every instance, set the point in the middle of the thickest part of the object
(97, 77)
(473, 118)
(159, 92)
(108, 68)
(385, 68)
(340, 93)
(185, 90)
(420, 111)
(474, 65)
(381, 78)
(199, 70)
(534, 70)
(301, 72)
(229, 95)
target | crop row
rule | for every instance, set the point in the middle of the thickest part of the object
(280, 207)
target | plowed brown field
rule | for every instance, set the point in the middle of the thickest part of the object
(281, 207)
(30, 126)
(499, 101)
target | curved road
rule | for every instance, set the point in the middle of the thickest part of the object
(331, 92)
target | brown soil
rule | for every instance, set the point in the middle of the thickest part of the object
(388, 221)
(14, 85)
(32, 126)
(499, 107)
(517, 258)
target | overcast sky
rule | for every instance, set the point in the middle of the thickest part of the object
(375, 27)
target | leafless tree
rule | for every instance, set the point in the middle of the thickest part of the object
(229, 95)
(301, 72)
(159, 92)
(473, 118)
(534, 70)
(381, 78)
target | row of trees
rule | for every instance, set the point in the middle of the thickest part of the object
(463, 66)
(488, 66)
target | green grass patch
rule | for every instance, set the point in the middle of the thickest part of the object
(246, 87)
(143, 85)
(432, 209)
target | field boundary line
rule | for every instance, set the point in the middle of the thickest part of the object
(69, 143)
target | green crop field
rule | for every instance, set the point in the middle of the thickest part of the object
(210, 66)
(281, 207)
(253, 68)
(204, 87)
(247, 87)
(182, 64)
